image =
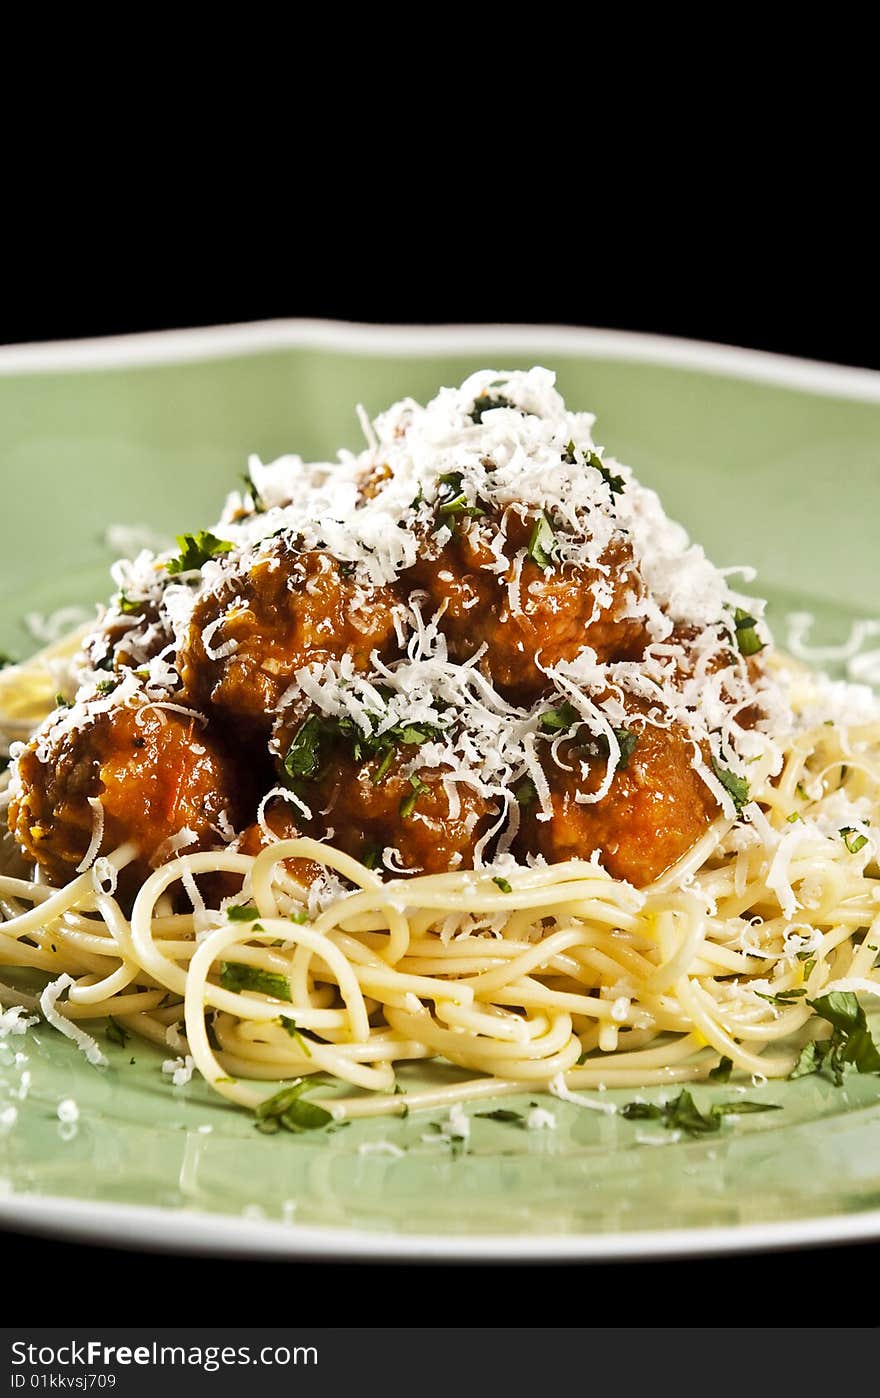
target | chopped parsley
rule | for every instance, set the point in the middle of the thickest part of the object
(299, 917)
(747, 638)
(452, 500)
(288, 1108)
(615, 484)
(251, 490)
(372, 857)
(526, 792)
(683, 1114)
(559, 720)
(127, 605)
(566, 716)
(853, 839)
(106, 686)
(290, 1027)
(62, 703)
(486, 403)
(235, 975)
(543, 547)
(850, 1042)
(195, 550)
(736, 787)
(115, 1032)
(408, 804)
(784, 997)
(303, 757)
(504, 885)
(721, 1071)
(502, 1114)
(626, 741)
(242, 912)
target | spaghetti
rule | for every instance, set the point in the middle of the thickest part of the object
(284, 955)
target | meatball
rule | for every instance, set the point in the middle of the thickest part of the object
(154, 772)
(657, 807)
(370, 810)
(558, 611)
(364, 803)
(290, 609)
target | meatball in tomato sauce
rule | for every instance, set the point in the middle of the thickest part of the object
(248, 637)
(154, 773)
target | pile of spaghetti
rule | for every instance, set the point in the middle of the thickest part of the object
(455, 749)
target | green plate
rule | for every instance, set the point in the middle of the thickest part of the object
(769, 462)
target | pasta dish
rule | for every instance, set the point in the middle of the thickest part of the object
(453, 749)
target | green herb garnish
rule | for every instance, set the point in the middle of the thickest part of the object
(683, 1114)
(485, 404)
(6, 660)
(560, 719)
(300, 917)
(502, 1114)
(115, 1032)
(626, 741)
(452, 500)
(747, 638)
(127, 605)
(850, 1042)
(526, 792)
(543, 547)
(289, 1026)
(251, 490)
(853, 839)
(784, 997)
(195, 550)
(721, 1071)
(289, 1109)
(504, 885)
(62, 703)
(736, 787)
(242, 912)
(408, 804)
(615, 484)
(304, 754)
(237, 976)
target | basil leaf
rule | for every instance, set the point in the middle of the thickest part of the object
(627, 742)
(812, 1057)
(742, 1107)
(721, 1072)
(501, 1114)
(304, 754)
(842, 1009)
(195, 550)
(525, 792)
(251, 490)
(305, 1116)
(543, 546)
(559, 720)
(641, 1111)
(242, 912)
(736, 787)
(784, 997)
(408, 804)
(747, 638)
(615, 484)
(853, 839)
(486, 403)
(115, 1032)
(237, 976)
(289, 1026)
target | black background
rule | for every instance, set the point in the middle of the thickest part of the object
(745, 268)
